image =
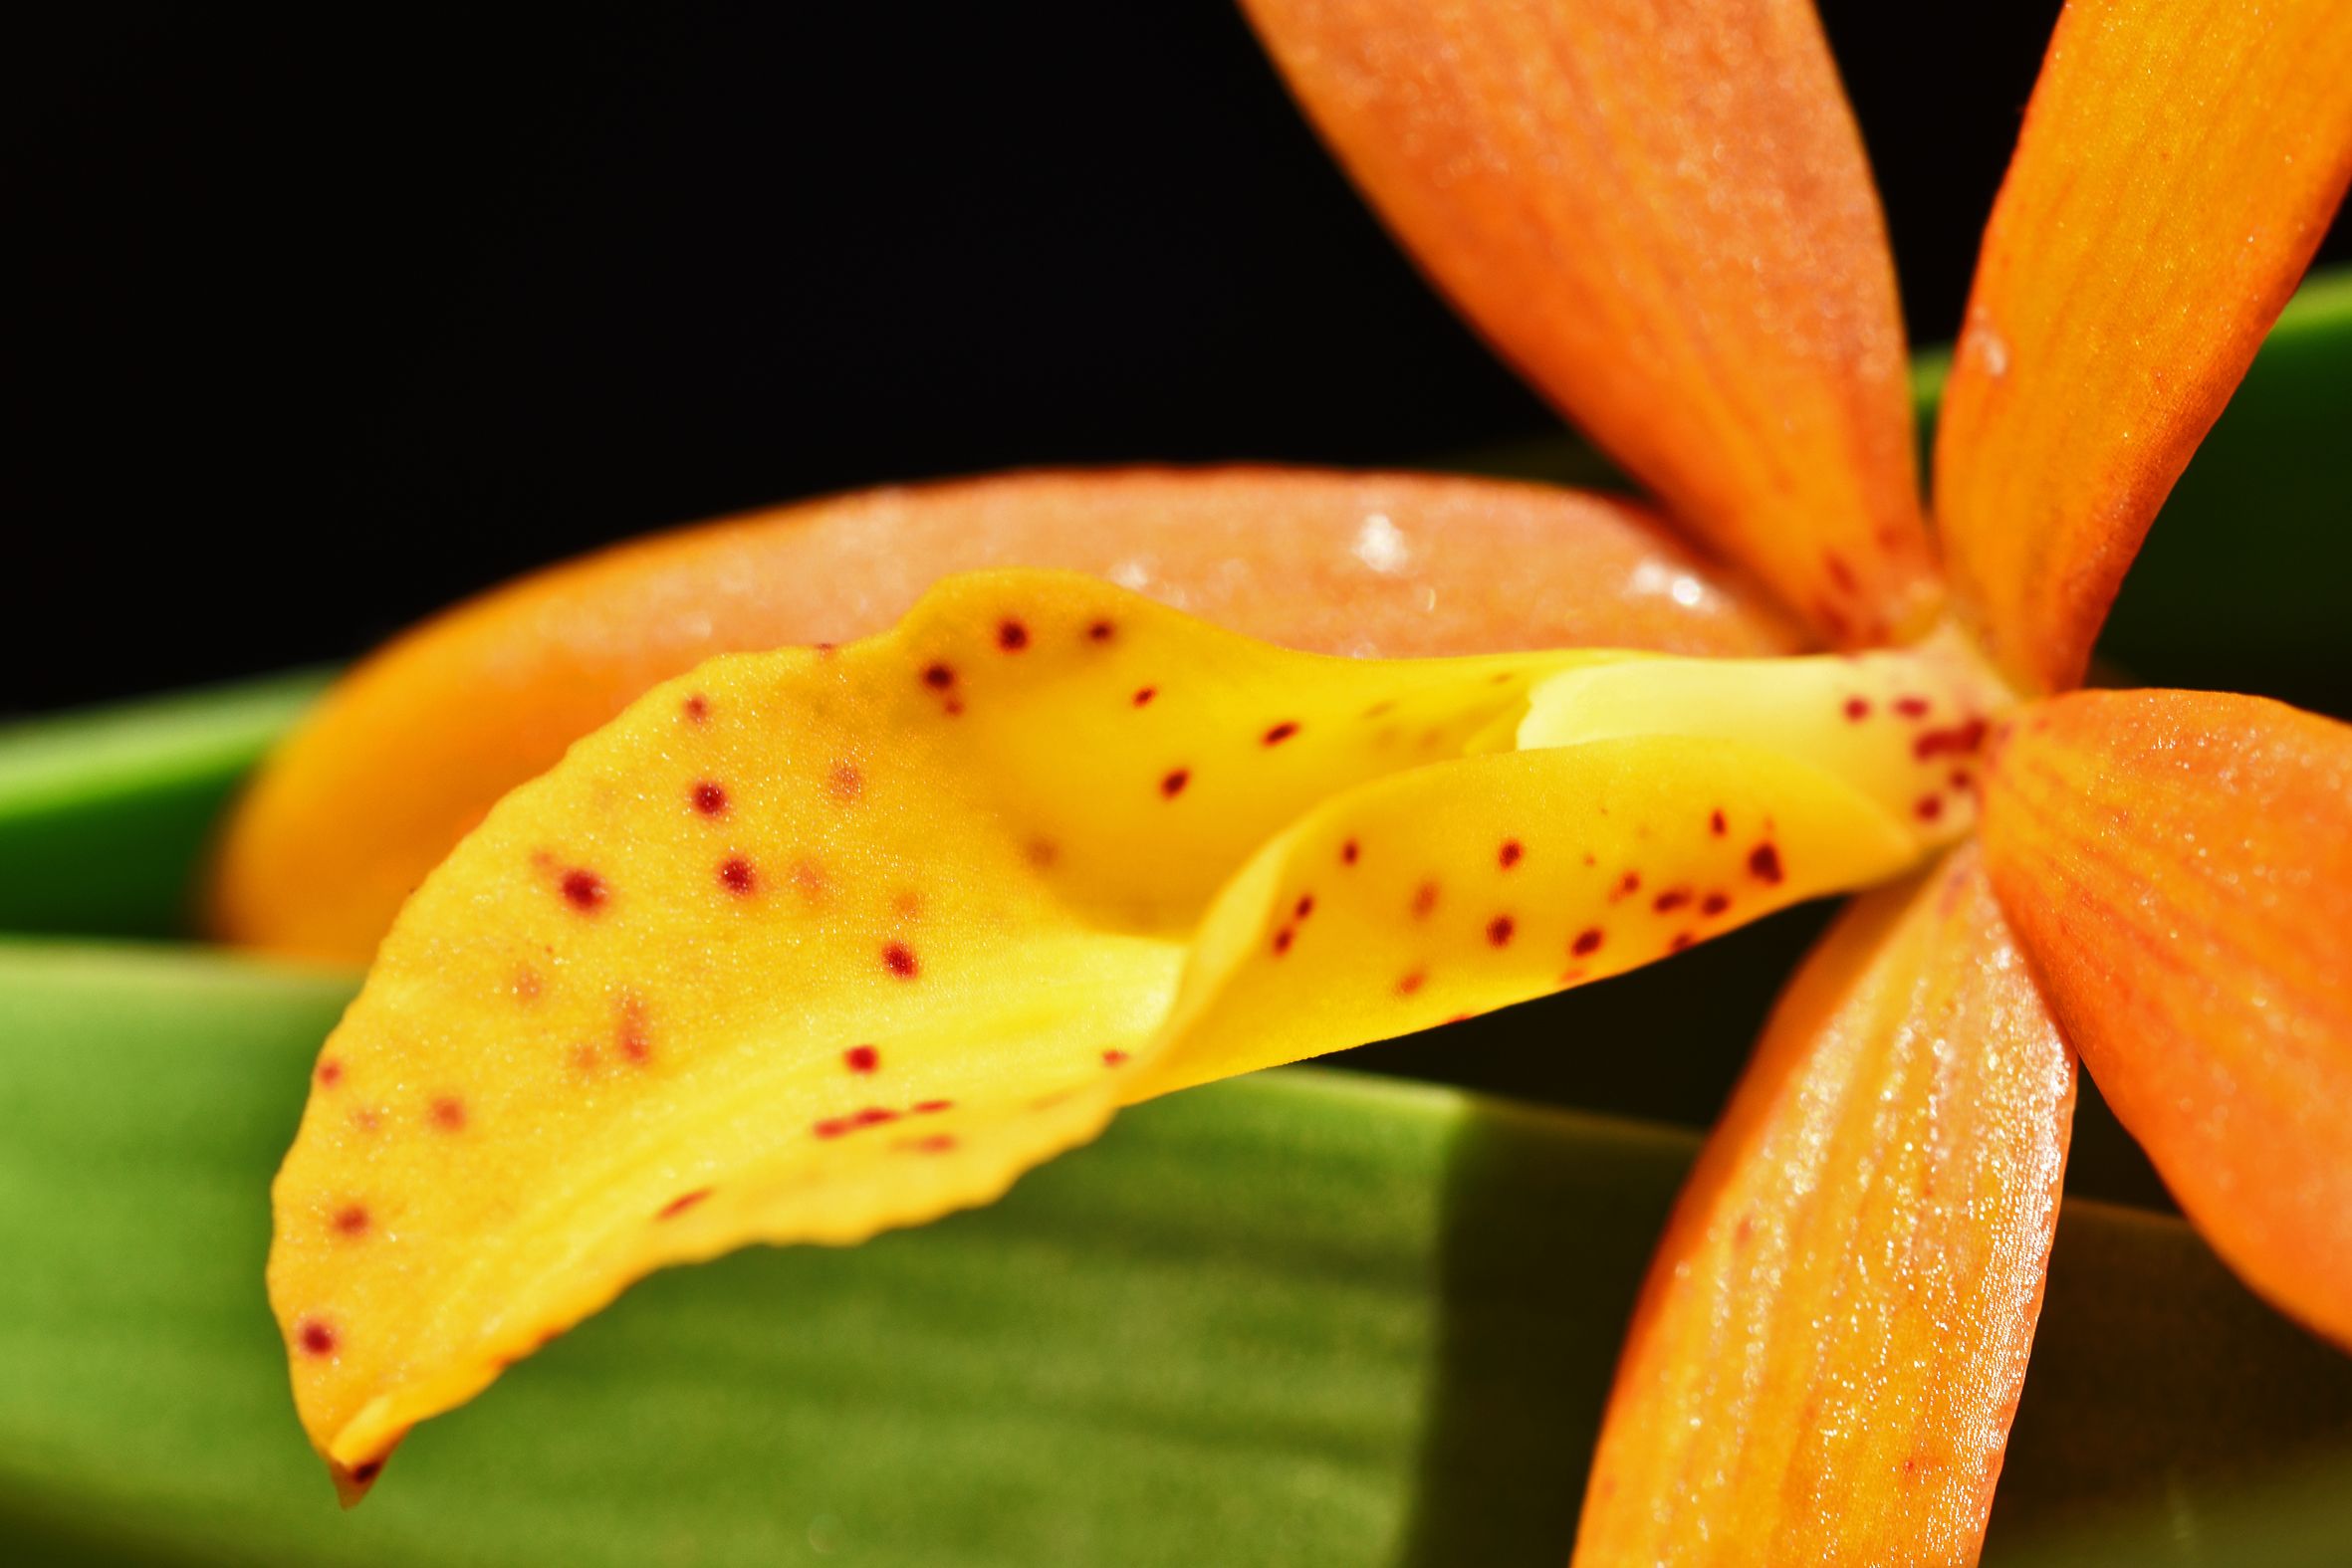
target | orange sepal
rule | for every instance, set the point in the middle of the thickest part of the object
(407, 752)
(2179, 165)
(1831, 1343)
(1663, 217)
(2178, 868)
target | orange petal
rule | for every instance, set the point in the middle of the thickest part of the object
(1662, 215)
(2178, 164)
(406, 755)
(2178, 867)
(1831, 1343)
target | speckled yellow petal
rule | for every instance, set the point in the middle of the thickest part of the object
(809, 944)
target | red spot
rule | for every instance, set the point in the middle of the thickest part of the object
(1304, 908)
(1671, 900)
(1928, 808)
(1510, 854)
(830, 1127)
(953, 707)
(1857, 708)
(683, 1201)
(1745, 1230)
(844, 782)
(317, 1336)
(696, 708)
(1042, 852)
(1764, 864)
(1961, 778)
(1587, 942)
(329, 1074)
(364, 1474)
(1278, 734)
(932, 1107)
(1113, 1058)
(1959, 740)
(737, 876)
(584, 891)
(629, 1036)
(1714, 903)
(1912, 706)
(1839, 572)
(937, 1143)
(352, 1219)
(1282, 940)
(1411, 983)
(1682, 939)
(875, 1116)
(1570, 974)
(1424, 900)
(1833, 620)
(1101, 631)
(938, 677)
(1717, 826)
(447, 1113)
(1499, 931)
(1145, 695)
(825, 650)
(1627, 885)
(1349, 851)
(1172, 784)
(861, 1058)
(1012, 636)
(899, 959)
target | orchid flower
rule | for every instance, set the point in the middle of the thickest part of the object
(806, 944)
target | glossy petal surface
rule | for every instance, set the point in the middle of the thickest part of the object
(1661, 214)
(2180, 162)
(809, 944)
(408, 752)
(1830, 1347)
(2178, 868)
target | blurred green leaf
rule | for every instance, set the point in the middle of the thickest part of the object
(103, 815)
(1304, 1318)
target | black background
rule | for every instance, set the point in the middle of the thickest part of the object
(319, 322)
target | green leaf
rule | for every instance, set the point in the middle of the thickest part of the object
(1303, 1318)
(104, 814)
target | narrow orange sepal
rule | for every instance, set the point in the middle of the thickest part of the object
(1831, 1344)
(1662, 215)
(2178, 868)
(2179, 165)
(404, 756)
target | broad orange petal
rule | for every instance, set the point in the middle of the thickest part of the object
(2178, 868)
(408, 752)
(2179, 165)
(1663, 216)
(1833, 1340)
